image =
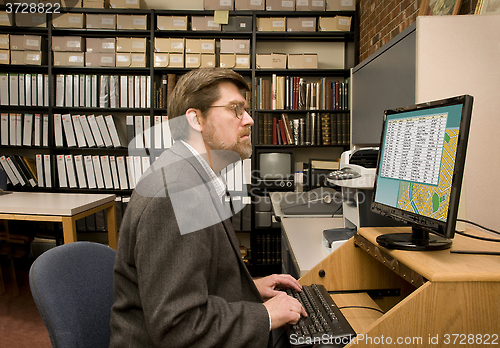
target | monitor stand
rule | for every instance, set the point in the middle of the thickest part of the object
(418, 240)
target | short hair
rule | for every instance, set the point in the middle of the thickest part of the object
(198, 89)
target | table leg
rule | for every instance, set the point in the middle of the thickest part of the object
(69, 229)
(112, 226)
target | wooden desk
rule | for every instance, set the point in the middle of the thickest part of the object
(60, 207)
(449, 298)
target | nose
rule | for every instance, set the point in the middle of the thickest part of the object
(247, 119)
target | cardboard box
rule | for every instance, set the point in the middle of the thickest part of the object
(193, 46)
(101, 45)
(238, 24)
(310, 60)
(68, 20)
(69, 59)
(4, 57)
(133, 60)
(25, 42)
(162, 44)
(133, 4)
(207, 61)
(301, 24)
(302, 61)
(93, 3)
(280, 5)
(131, 44)
(242, 61)
(67, 43)
(4, 41)
(101, 21)
(233, 60)
(340, 5)
(235, 46)
(204, 23)
(271, 24)
(257, 5)
(161, 60)
(337, 23)
(131, 22)
(310, 5)
(177, 45)
(71, 3)
(193, 60)
(207, 46)
(176, 60)
(99, 59)
(218, 5)
(171, 22)
(6, 19)
(38, 20)
(271, 61)
(26, 57)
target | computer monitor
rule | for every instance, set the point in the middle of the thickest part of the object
(420, 169)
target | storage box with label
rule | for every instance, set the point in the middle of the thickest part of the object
(26, 57)
(310, 5)
(131, 22)
(218, 5)
(68, 20)
(235, 46)
(69, 59)
(193, 46)
(238, 24)
(4, 57)
(101, 21)
(99, 59)
(162, 44)
(200, 23)
(256, 5)
(70, 3)
(161, 60)
(176, 60)
(38, 20)
(271, 24)
(302, 61)
(280, 5)
(99, 44)
(337, 23)
(25, 42)
(4, 41)
(340, 5)
(271, 61)
(131, 44)
(6, 19)
(134, 4)
(301, 24)
(207, 46)
(177, 45)
(207, 60)
(133, 60)
(171, 22)
(193, 60)
(67, 43)
(242, 61)
(227, 60)
(93, 3)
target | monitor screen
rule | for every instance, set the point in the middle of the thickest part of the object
(420, 169)
(275, 166)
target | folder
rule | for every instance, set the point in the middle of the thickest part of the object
(167, 137)
(87, 131)
(68, 88)
(113, 132)
(123, 91)
(68, 130)
(39, 170)
(101, 123)
(122, 172)
(146, 163)
(47, 171)
(89, 170)
(147, 131)
(4, 129)
(80, 171)
(104, 91)
(94, 90)
(80, 136)
(88, 91)
(45, 90)
(137, 169)
(76, 90)
(82, 91)
(27, 129)
(4, 89)
(61, 171)
(98, 171)
(45, 130)
(34, 90)
(131, 93)
(95, 130)
(143, 92)
(19, 129)
(37, 130)
(22, 90)
(130, 171)
(139, 134)
(114, 172)
(27, 89)
(13, 90)
(60, 92)
(157, 132)
(148, 91)
(8, 171)
(114, 91)
(106, 172)
(137, 91)
(70, 170)
(12, 129)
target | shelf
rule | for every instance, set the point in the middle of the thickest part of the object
(301, 111)
(296, 146)
(102, 70)
(86, 110)
(305, 72)
(306, 36)
(40, 69)
(100, 32)
(202, 34)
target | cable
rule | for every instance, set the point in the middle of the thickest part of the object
(478, 225)
(477, 237)
(363, 307)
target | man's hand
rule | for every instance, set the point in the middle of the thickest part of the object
(284, 309)
(267, 285)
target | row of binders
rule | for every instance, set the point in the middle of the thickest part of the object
(24, 129)
(19, 170)
(24, 89)
(103, 91)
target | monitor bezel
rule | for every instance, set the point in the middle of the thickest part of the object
(441, 228)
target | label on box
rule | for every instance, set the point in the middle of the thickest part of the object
(225, 2)
(212, 24)
(207, 46)
(243, 25)
(138, 58)
(75, 59)
(256, 2)
(162, 58)
(131, 2)
(108, 46)
(138, 44)
(33, 43)
(346, 3)
(177, 45)
(4, 56)
(4, 40)
(192, 60)
(179, 22)
(286, 3)
(122, 58)
(308, 24)
(107, 21)
(242, 60)
(278, 24)
(139, 21)
(344, 21)
(74, 19)
(33, 56)
(4, 18)
(302, 2)
(317, 3)
(176, 59)
(38, 19)
(106, 59)
(73, 44)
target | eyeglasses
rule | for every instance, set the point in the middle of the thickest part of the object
(239, 109)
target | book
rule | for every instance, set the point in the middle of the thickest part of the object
(157, 132)
(8, 171)
(167, 136)
(4, 129)
(37, 130)
(68, 90)
(147, 131)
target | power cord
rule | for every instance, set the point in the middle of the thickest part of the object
(478, 237)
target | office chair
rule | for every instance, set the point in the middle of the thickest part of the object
(72, 285)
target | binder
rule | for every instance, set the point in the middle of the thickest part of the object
(80, 171)
(68, 130)
(68, 89)
(70, 170)
(114, 172)
(104, 91)
(15, 170)
(143, 92)
(147, 131)
(131, 93)
(19, 129)
(157, 132)
(22, 90)
(13, 90)
(47, 171)
(87, 131)
(61, 171)
(37, 130)
(94, 91)
(4, 89)
(12, 129)
(89, 170)
(167, 137)
(148, 91)
(106, 172)
(4, 129)
(88, 91)
(45, 130)
(146, 163)
(82, 91)
(39, 170)
(124, 91)
(45, 90)
(122, 172)
(80, 136)
(76, 90)
(27, 89)
(113, 132)
(114, 91)
(101, 123)
(230, 177)
(137, 169)
(238, 176)
(130, 171)
(28, 167)
(8, 171)
(130, 131)
(34, 90)
(27, 129)
(60, 90)
(137, 91)
(98, 171)
(95, 130)
(247, 171)
(139, 134)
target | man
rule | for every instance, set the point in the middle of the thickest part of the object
(179, 277)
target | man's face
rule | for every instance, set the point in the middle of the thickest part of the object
(222, 130)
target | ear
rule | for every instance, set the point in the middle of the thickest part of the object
(193, 120)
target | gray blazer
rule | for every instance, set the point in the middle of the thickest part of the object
(179, 280)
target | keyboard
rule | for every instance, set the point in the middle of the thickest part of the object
(324, 324)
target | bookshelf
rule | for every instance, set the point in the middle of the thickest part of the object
(336, 53)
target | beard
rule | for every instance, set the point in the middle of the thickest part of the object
(232, 151)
